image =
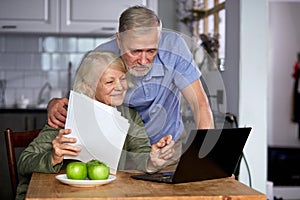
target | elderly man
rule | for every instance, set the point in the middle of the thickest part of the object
(161, 68)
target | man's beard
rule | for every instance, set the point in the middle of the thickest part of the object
(133, 70)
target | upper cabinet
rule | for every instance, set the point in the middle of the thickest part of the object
(65, 16)
(29, 16)
(94, 16)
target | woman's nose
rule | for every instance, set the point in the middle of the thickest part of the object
(118, 85)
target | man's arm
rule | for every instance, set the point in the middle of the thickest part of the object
(197, 99)
(56, 112)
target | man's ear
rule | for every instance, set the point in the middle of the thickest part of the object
(118, 39)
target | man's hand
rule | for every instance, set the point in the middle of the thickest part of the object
(57, 113)
(161, 153)
(61, 147)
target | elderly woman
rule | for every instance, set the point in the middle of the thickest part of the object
(102, 77)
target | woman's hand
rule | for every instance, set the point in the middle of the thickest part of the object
(56, 112)
(61, 147)
(161, 153)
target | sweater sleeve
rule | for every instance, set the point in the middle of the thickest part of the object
(37, 156)
(137, 145)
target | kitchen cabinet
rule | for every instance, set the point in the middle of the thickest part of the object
(23, 121)
(95, 16)
(65, 16)
(17, 120)
(29, 16)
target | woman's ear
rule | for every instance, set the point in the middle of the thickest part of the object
(88, 90)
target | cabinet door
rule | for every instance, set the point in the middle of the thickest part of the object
(13, 121)
(29, 16)
(95, 16)
(22, 121)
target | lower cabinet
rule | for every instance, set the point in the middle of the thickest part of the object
(17, 121)
(22, 121)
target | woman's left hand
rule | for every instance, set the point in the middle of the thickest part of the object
(161, 153)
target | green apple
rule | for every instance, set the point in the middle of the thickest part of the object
(97, 170)
(76, 170)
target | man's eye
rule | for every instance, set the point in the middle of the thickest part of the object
(152, 51)
(135, 52)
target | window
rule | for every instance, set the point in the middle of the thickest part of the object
(209, 19)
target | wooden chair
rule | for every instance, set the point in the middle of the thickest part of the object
(13, 140)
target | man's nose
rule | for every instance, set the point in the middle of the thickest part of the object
(143, 58)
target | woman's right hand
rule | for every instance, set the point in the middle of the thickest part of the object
(57, 113)
(61, 147)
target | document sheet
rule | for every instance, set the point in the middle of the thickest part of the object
(100, 130)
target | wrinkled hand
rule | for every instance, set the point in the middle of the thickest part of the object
(56, 112)
(61, 147)
(161, 153)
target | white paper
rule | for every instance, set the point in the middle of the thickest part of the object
(100, 130)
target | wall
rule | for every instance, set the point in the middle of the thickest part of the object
(253, 86)
(29, 61)
(284, 44)
(232, 54)
(167, 13)
(246, 36)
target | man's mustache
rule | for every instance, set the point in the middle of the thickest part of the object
(140, 66)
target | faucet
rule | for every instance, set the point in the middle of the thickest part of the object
(69, 77)
(42, 98)
(2, 92)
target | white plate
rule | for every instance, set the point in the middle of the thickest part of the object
(84, 183)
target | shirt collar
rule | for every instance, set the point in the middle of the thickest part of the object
(157, 68)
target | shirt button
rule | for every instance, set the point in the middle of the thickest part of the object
(147, 92)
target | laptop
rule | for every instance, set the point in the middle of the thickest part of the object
(207, 154)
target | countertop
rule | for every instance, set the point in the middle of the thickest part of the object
(46, 186)
(22, 110)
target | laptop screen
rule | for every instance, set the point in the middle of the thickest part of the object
(207, 154)
(211, 153)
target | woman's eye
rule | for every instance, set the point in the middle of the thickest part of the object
(109, 82)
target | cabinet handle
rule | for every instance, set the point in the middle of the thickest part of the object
(108, 28)
(26, 123)
(34, 123)
(9, 27)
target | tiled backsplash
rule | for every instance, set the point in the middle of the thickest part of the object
(28, 62)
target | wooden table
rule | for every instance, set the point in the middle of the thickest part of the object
(45, 186)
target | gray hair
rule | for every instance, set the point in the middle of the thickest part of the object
(138, 17)
(92, 66)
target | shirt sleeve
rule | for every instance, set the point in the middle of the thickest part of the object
(186, 70)
(176, 56)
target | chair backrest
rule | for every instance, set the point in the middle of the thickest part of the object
(13, 140)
